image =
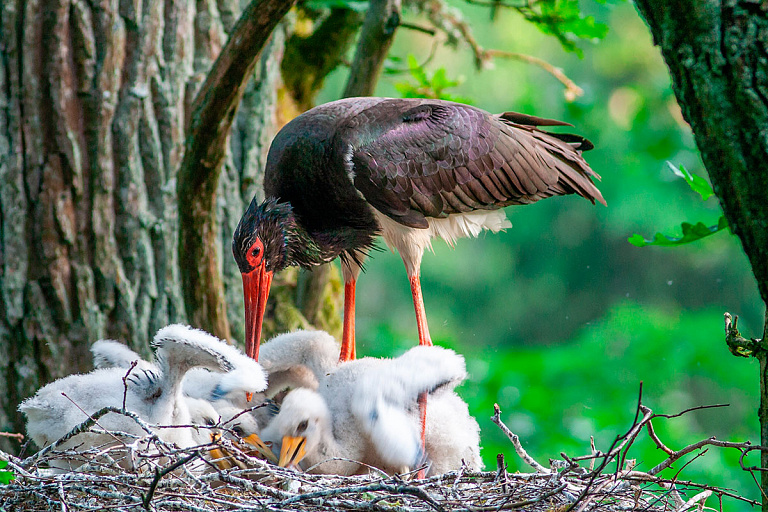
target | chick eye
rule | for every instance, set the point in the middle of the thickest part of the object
(239, 431)
(209, 422)
(302, 427)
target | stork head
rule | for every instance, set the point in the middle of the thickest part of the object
(299, 426)
(260, 246)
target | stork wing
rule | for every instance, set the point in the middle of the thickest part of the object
(413, 159)
(113, 354)
(180, 348)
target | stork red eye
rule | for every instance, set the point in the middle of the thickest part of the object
(255, 253)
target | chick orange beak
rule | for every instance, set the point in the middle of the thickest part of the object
(292, 451)
(258, 445)
(218, 456)
(256, 284)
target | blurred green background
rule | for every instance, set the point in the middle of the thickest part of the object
(560, 318)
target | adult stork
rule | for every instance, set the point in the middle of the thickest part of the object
(409, 170)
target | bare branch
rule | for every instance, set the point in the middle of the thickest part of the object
(213, 112)
(376, 37)
(496, 418)
(572, 91)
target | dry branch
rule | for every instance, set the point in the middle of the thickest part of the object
(496, 418)
(457, 29)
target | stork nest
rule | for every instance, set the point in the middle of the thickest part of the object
(165, 478)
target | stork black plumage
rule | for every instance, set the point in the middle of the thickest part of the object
(345, 172)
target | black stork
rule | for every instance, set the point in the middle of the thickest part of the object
(343, 173)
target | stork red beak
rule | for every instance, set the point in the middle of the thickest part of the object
(256, 285)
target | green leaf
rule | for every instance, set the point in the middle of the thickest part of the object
(417, 71)
(354, 5)
(697, 183)
(563, 19)
(691, 233)
(428, 86)
(5, 476)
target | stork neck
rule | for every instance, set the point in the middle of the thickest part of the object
(309, 251)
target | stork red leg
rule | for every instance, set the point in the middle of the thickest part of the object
(421, 315)
(348, 336)
(424, 339)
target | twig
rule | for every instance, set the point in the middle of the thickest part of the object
(655, 438)
(496, 418)
(737, 344)
(87, 424)
(501, 471)
(395, 489)
(125, 381)
(160, 474)
(63, 498)
(695, 446)
(572, 91)
(418, 28)
(699, 498)
(14, 435)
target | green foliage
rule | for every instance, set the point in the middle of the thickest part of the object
(696, 182)
(691, 232)
(559, 317)
(6, 477)
(355, 5)
(555, 398)
(564, 20)
(428, 86)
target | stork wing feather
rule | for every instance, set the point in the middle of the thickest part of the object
(413, 159)
(113, 354)
(180, 348)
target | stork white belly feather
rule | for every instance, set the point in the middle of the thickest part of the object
(411, 242)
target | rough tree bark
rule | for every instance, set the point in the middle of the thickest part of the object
(94, 100)
(717, 54)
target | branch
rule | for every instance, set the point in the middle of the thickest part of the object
(376, 36)
(496, 418)
(213, 112)
(308, 60)
(737, 344)
(441, 16)
(394, 489)
(745, 446)
(572, 91)
(160, 474)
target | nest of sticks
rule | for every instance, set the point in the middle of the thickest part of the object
(223, 477)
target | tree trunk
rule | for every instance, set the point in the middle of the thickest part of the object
(716, 53)
(94, 102)
(206, 146)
